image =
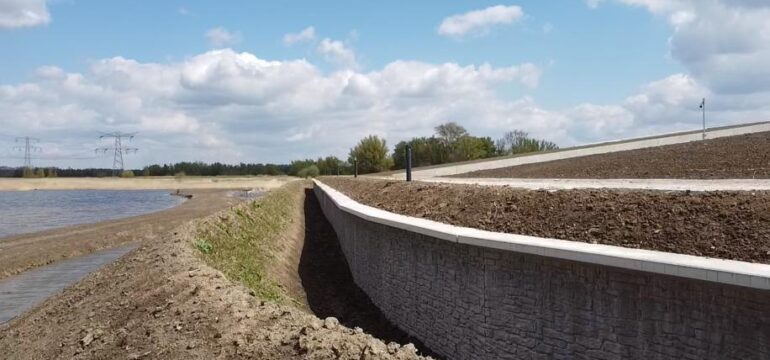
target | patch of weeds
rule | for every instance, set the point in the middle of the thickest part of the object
(204, 246)
(246, 239)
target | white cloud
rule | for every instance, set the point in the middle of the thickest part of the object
(23, 13)
(479, 21)
(220, 37)
(593, 4)
(307, 34)
(336, 52)
(227, 106)
(724, 44)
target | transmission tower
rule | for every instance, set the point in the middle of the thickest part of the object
(28, 149)
(118, 148)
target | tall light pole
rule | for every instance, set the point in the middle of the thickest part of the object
(703, 108)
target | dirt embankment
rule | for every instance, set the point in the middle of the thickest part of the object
(164, 301)
(21, 252)
(735, 157)
(728, 225)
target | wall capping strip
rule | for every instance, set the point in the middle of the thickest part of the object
(730, 272)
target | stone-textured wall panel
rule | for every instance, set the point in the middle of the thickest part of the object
(469, 302)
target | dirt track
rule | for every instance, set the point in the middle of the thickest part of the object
(729, 225)
(735, 157)
(21, 252)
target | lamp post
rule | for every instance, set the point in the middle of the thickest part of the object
(703, 108)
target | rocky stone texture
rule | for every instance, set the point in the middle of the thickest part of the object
(467, 302)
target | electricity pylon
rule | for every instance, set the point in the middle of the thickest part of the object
(118, 148)
(28, 149)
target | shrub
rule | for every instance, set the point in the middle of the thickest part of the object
(310, 171)
(127, 173)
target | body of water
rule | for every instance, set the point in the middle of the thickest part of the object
(31, 211)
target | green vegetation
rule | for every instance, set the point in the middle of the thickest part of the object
(519, 142)
(310, 171)
(450, 143)
(127, 173)
(243, 242)
(204, 246)
(371, 153)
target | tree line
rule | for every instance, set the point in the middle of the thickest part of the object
(450, 143)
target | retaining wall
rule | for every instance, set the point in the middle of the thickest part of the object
(585, 150)
(471, 294)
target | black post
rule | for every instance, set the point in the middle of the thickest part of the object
(355, 167)
(408, 162)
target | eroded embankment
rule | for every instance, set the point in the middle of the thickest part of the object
(164, 301)
(729, 225)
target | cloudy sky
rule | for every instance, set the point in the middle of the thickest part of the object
(254, 81)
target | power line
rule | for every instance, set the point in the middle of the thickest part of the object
(118, 148)
(28, 149)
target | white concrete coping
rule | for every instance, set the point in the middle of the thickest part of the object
(730, 272)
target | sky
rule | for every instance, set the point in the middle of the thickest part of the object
(247, 81)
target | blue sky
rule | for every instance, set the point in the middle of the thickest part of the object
(219, 81)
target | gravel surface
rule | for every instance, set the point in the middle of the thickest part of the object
(735, 157)
(728, 225)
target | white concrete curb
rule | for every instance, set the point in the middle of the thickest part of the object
(694, 267)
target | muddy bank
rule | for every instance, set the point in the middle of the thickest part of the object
(164, 301)
(21, 252)
(735, 157)
(728, 225)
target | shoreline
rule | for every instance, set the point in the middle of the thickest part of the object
(26, 251)
(144, 183)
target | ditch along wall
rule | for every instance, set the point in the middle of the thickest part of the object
(471, 294)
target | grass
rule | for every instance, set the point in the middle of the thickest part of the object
(243, 241)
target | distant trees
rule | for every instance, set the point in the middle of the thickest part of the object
(371, 154)
(450, 143)
(518, 142)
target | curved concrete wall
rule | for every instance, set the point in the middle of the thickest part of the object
(470, 294)
(585, 150)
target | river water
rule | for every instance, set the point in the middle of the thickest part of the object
(31, 211)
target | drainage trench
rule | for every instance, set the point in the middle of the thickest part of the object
(329, 286)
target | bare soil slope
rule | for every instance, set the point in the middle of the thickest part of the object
(735, 157)
(163, 301)
(729, 225)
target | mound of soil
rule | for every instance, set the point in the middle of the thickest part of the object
(728, 225)
(162, 302)
(735, 157)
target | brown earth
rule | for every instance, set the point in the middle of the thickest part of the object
(735, 157)
(21, 252)
(728, 225)
(162, 301)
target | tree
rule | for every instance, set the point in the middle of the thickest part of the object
(372, 155)
(450, 132)
(471, 148)
(310, 171)
(518, 142)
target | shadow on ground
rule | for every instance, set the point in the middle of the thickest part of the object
(329, 285)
